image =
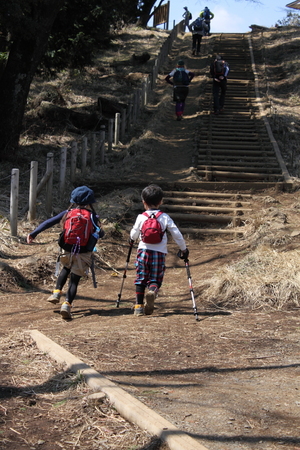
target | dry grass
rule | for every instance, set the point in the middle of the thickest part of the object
(69, 417)
(265, 278)
(280, 81)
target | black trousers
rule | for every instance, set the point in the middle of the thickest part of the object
(196, 42)
(207, 31)
(180, 93)
(219, 91)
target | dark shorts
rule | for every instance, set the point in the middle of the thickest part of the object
(180, 93)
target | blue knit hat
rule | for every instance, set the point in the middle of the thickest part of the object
(82, 195)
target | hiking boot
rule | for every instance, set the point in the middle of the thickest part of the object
(149, 302)
(179, 118)
(54, 297)
(138, 310)
(193, 52)
(65, 311)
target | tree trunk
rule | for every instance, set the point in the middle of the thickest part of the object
(145, 14)
(25, 55)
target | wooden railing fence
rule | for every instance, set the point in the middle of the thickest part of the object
(96, 145)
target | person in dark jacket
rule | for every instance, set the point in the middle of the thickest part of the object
(74, 265)
(187, 17)
(180, 88)
(219, 70)
(207, 15)
(197, 28)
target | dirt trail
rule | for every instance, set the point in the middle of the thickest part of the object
(230, 379)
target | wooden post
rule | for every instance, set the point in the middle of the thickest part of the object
(134, 115)
(102, 144)
(73, 161)
(93, 151)
(110, 136)
(83, 155)
(129, 116)
(49, 185)
(32, 190)
(134, 111)
(123, 124)
(117, 128)
(62, 174)
(143, 95)
(138, 103)
(148, 89)
(154, 74)
(14, 199)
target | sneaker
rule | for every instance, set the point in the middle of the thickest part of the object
(54, 297)
(65, 311)
(179, 117)
(149, 302)
(138, 310)
(193, 52)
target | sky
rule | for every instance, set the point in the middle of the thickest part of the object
(233, 16)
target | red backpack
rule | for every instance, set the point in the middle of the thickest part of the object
(151, 231)
(78, 228)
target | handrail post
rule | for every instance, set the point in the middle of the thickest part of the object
(32, 190)
(49, 186)
(14, 200)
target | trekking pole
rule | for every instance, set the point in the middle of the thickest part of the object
(93, 273)
(125, 272)
(186, 262)
(184, 256)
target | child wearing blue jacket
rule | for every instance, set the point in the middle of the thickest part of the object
(74, 265)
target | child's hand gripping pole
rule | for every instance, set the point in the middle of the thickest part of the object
(184, 255)
(131, 242)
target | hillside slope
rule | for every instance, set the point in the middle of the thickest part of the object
(229, 379)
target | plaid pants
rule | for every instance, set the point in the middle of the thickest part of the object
(150, 267)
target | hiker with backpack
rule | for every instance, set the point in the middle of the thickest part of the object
(181, 80)
(187, 15)
(207, 15)
(198, 28)
(81, 230)
(219, 70)
(150, 228)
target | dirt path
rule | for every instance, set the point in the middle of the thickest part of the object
(229, 379)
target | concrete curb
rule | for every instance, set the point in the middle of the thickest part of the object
(129, 407)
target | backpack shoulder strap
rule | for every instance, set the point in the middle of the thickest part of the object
(93, 221)
(145, 214)
(159, 213)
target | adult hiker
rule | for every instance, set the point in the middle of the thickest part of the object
(207, 15)
(187, 15)
(181, 80)
(197, 28)
(81, 230)
(219, 70)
